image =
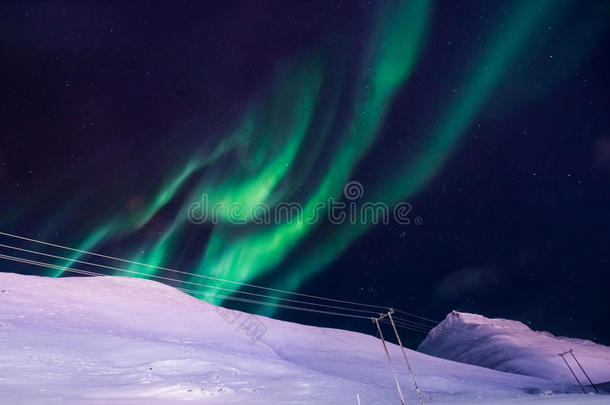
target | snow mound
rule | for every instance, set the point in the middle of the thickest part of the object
(120, 340)
(511, 346)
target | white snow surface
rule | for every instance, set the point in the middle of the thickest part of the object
(117, 340)
(513, 347)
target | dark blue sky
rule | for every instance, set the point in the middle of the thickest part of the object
(99, 98)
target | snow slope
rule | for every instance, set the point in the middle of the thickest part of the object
(511, 346)
(132, 341)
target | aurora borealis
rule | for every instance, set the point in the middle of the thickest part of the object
(272, 104)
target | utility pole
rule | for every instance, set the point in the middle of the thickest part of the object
(376, 322)
(404, 354)
(573, 373)
(583, 371)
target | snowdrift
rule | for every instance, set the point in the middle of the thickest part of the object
(124, 340)
(513, 347)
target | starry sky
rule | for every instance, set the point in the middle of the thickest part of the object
(491, 119)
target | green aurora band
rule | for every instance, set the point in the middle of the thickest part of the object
(301, 132)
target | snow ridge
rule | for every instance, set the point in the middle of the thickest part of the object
(511, 346)
(119, 340)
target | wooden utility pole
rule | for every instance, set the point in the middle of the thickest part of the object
(385, 347)
(573, 373)
(571, 351)
(404, 354)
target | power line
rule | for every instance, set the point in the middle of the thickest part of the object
(214, 295)
(423, 328)
(205, 276)
(206, 294)
(405, 324)
(182, 281)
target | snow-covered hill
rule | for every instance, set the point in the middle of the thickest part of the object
(132, 341)
(511, 346)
